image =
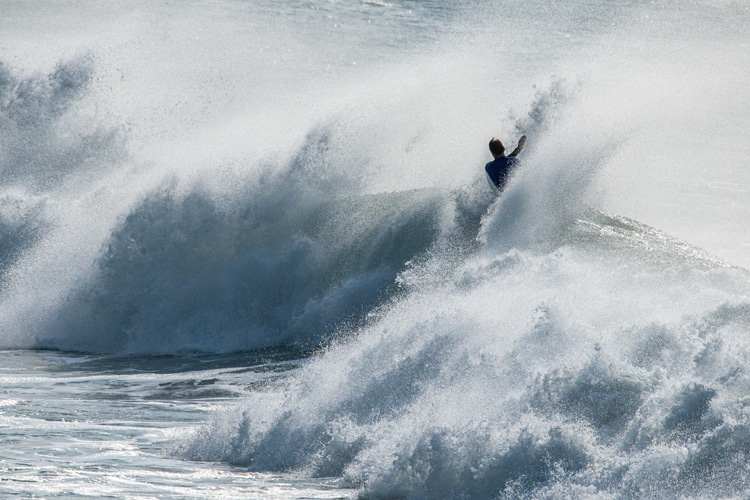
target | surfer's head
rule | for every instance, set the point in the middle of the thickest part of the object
(496, 148)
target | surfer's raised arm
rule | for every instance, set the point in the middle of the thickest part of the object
(519, 148)
(499, 169)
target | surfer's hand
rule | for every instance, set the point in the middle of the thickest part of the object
(521, 141)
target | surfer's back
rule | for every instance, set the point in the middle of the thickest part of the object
(499, 169)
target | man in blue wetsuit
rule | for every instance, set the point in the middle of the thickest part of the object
(499, 169)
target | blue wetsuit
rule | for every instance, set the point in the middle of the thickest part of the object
(499, 169)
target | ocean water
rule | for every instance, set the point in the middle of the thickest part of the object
(247, 250)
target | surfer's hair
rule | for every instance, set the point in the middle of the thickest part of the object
(496, 147)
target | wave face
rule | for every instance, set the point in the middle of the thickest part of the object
(297, 252)
(258, 275)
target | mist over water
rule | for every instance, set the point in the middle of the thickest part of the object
(230, 176)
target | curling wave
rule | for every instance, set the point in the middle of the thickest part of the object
(288, 255)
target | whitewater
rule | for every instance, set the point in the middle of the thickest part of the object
(248, 250)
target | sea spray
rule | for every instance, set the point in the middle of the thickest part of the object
(285, 250)
(47, 139)
(46, 135)
(219, 176)
(525, 373)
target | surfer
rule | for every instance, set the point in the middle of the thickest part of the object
(499, 169)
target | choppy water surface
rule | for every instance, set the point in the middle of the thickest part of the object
(77, 426)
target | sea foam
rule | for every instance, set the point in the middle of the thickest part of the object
(610, 365)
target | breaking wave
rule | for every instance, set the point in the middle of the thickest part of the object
(225, 177)
(105, 254)
(610, 364)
